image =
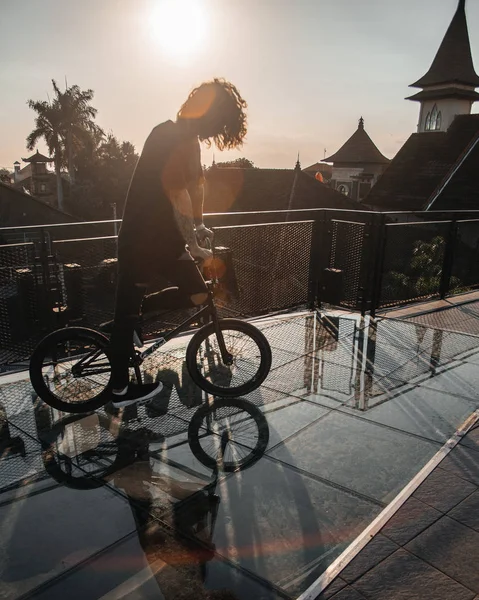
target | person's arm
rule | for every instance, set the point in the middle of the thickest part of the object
(183, 211)
(197, 199)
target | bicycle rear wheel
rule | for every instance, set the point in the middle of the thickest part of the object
(249, 353)
(70, 370)
(230, 434)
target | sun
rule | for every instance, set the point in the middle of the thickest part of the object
(179, 26)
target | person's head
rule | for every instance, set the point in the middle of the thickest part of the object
(215, 111)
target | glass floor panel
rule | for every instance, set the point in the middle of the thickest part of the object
(126, 503)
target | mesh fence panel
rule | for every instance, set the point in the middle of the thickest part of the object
(271, 263)
(413, 262)
(346, 254)
(465, 268)
(86, 271)
(22, 302)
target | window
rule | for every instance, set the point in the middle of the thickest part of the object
(438, 121)
(43, 188)
(433, 120)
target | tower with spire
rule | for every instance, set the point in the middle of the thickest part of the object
(449, 87)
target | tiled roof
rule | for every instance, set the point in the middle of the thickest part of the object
(319, 166)
(37, 158)
(358, 149)
(453, 61)
(423, 164)
(18, 208)
(446, 92)
(237, 190)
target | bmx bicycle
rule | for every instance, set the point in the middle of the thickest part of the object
(70, 368)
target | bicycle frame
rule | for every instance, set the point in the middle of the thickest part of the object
(211, 312)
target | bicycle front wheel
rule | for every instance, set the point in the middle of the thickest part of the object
(70, 370)
(248, 364)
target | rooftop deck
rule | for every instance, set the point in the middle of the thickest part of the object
(101, 507)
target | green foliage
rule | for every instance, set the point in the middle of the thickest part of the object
(100, 167)
(422, 272)
(103, 176)
(238, 163)
(5, 176)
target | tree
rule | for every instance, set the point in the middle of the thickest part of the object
(238, 163)
(420, 273)
(77, 121)
(67, 125)
(104, 174)
(48, 126)
(5, 176)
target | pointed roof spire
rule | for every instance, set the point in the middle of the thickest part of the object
(453, 61)
(298, 164)
(359, 149)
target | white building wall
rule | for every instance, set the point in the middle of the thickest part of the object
(449, 108)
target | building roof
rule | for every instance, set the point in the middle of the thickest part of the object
(453, 61)
(359, 149)
(420, 173)
(246, 190)
(319, 166)
(37, 158)
(18, 208)
(445, 92)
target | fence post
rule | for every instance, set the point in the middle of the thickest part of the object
(448, 260)
(320, 255)
(48, 304)
(377, 270)
(368, 257)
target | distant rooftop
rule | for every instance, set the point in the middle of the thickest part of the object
(358, 149)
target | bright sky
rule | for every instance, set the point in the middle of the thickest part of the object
(308, 68)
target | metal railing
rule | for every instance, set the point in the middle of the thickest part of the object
(65, 274)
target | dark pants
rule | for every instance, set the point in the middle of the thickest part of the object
(182, 273)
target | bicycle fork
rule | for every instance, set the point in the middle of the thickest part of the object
(226, 357)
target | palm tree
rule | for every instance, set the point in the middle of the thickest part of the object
(77, 121)
(48, 126)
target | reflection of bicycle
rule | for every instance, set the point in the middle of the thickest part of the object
(70, 368)
(83, 451)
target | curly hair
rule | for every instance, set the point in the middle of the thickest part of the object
(220, 113)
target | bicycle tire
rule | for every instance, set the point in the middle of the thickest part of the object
(197, 432)
(210, 382)
(47, 348)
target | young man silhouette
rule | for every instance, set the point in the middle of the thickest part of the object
(163, 218)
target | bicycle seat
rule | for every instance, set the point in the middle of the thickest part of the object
(166, 299)
(106, 327)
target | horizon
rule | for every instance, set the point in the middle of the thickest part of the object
(370, 63)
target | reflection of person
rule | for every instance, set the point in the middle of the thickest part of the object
(177, 566)
(163, 212)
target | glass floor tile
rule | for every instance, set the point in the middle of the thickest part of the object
(126, 502)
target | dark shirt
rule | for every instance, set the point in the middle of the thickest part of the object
(171, 160)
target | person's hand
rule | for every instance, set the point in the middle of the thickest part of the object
(201, 253)
(203, 234)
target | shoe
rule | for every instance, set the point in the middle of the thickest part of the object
(135, 393)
